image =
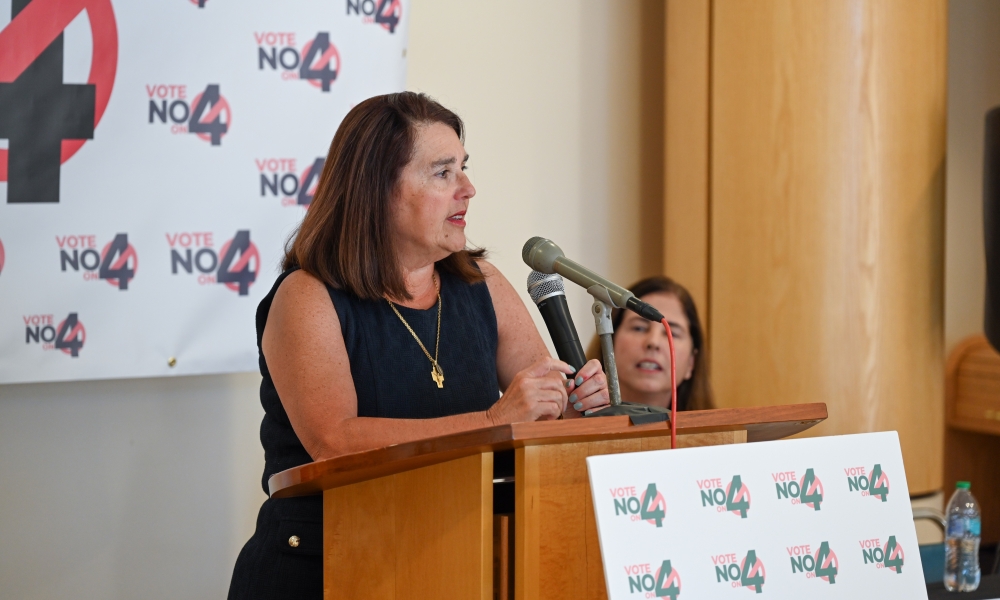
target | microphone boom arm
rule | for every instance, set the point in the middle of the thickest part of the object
(545, 256)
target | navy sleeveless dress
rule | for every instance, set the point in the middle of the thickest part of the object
(392, 377)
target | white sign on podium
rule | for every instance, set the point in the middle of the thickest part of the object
(810, 518)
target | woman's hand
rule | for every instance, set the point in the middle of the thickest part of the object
(537, 393)
(588, 390)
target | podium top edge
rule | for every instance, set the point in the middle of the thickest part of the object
(762, 423)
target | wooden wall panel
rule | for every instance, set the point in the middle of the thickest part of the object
(826, 214)
(652, 73)
(686, 156)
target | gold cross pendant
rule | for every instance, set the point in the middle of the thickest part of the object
(438, 376)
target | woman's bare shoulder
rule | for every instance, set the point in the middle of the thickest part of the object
(300, 289)
(500, 289)
(487, 268)
(302, 304)
(519, 341)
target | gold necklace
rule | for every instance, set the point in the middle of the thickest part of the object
(436, 373)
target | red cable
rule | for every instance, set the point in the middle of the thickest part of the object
(673, 387)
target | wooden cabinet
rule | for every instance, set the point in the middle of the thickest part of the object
(972, 436)
(973, 387)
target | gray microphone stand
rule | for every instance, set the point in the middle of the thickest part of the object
(638, 413)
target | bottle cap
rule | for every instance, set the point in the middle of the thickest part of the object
(963, 485)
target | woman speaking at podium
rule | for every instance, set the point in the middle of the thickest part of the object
(384, 328)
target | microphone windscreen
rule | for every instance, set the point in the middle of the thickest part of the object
(541, 254)
(526, 250)
(542, 286)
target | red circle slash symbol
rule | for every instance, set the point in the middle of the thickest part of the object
(45, 120)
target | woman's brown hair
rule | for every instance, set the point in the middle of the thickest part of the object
(345, 240)
(695, 393)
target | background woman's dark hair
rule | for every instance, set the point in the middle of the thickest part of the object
(695, 393)
(345, 239)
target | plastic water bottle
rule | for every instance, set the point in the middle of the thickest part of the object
(961, 550)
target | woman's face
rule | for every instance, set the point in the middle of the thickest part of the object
(434, 193)
(641, 350)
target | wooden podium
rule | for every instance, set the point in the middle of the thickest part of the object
(417, 520)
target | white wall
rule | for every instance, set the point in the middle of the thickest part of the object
(973, 89)
(148, 488)
(127, 489)
(550, 94)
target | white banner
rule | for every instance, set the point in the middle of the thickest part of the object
(825, 517)
(154, 157)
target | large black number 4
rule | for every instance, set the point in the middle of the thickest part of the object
(244, 277)
(215, 128)
(324, 74)
(69, 329)
(304, 197)
(386, 14)
(117, 269)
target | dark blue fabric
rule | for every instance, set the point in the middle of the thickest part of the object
(392, 378)
(392, 375)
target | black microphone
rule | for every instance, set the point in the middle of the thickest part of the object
(545, 256)
(549, 294)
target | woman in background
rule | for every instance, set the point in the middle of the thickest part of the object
(642, 353)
